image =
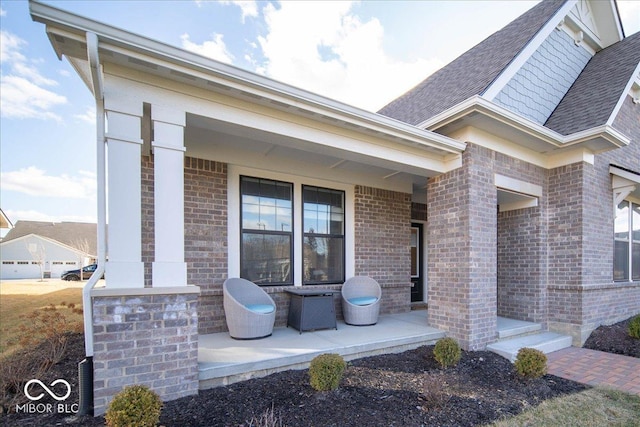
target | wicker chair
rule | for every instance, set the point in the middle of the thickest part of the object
(249, 310)
(361, 301)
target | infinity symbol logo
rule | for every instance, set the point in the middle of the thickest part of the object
(47, 389)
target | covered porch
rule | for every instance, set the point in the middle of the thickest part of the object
(223, 360)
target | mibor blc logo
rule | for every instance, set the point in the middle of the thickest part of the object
(30, 391)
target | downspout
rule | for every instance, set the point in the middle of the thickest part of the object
(85, 367)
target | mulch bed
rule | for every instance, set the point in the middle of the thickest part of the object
(614, 339)
(405, 389)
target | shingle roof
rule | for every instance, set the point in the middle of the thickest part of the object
(78, 235)
(472, 72)
(595, 93)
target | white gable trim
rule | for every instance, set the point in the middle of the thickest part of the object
(624, 184)
(633, 89)
(523, 56)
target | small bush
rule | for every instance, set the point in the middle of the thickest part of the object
(326, 371)
(134, 406)
(531, 363)
(447, 352)
(634, 327)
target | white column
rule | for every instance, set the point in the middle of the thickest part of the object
(124, 268)
(169, 268)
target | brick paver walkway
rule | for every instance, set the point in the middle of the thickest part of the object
(596, 368)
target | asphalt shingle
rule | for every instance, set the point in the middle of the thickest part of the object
(472, 72)
(595, 93)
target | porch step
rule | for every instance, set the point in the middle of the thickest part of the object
(511, 328)
(546, 342)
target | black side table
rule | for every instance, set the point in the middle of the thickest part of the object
(312, 309)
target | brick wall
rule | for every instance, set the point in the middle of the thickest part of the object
(582, 293)
(462, 250)
(382, 244)
(382, 233)
(521, 265)
(522, 250)
(205, 234)
(149, 337)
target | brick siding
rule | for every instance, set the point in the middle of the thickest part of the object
(382, 244)
(147, 338)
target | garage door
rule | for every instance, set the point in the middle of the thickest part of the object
(20, 270)
(58, 267)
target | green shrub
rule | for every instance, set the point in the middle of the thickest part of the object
(134, 406)
(531, 363)
(447, 352)
(634, 327)
(326, 371)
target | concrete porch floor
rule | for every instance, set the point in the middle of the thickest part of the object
(223, 360)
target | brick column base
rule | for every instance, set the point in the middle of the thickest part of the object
(145, 336)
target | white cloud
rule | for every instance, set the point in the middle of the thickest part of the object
(322, 47)
(215, 48)
(22, 92)
(248, 8)
(20, 98)
(35, 182)
(3, 12)
(89, 116)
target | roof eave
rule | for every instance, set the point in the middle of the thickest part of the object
(535, 136)
(124, 42)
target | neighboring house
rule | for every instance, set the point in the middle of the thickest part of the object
(5, 224)
(506, 184)
(34, 248)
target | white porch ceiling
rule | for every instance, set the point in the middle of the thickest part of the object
(244, 146)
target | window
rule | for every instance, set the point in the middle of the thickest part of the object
(323, 236)
(267, 224)
(626, 259)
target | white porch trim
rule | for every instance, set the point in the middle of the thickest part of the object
(124, 268)
(169, 268)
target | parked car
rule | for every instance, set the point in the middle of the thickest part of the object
(74, 275)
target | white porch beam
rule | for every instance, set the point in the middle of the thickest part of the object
(169, 268)
(124, 269)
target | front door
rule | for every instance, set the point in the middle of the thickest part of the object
(417, 267)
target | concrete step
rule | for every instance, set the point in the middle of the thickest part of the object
(511, 328)
(547, 342)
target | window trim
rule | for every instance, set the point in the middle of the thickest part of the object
(328, 235)
(629, 240)
(234, 203)
(291, 233)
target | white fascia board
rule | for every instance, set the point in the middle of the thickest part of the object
(523, 56)
(633, 79)
(191, 63)
(478, 104)
(632, 178)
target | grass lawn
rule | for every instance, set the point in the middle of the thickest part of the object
(20, 298)
(592, 408)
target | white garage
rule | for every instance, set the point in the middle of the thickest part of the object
(26, 253)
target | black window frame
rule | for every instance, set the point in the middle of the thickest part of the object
(290, 233)
(329, 235)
